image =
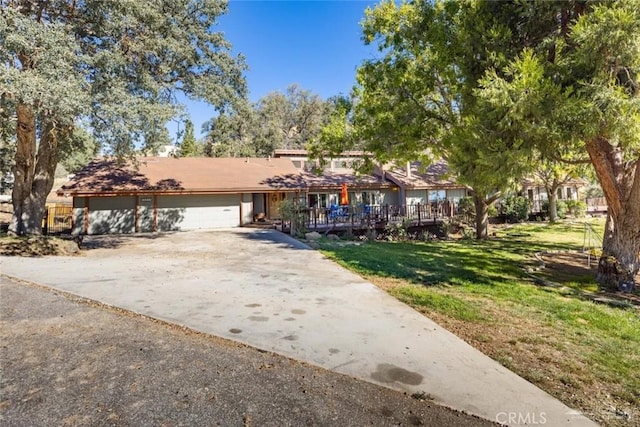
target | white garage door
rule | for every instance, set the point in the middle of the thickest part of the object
(198, 211)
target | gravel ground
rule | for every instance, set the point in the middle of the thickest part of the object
(68, 362)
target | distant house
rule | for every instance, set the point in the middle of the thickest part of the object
(538, 197)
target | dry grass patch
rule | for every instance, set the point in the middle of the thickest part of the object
(37, 246)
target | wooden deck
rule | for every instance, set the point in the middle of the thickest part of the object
(371, 217)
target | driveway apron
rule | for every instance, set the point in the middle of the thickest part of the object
(265, 289)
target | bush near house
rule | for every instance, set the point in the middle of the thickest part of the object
(515, 208)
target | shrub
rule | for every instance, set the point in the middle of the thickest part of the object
(577, 208)
(466, 210)
(292, 213)
(515, 208)
(397, 232)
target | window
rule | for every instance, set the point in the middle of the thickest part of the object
(437, 195)
(341, 164)
(318, 201)
(455, 195)
(370, 198)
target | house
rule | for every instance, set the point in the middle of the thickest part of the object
(537, 193)
(166, 193)
(430, 187)
(323, 188)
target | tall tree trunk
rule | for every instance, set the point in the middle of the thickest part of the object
(482, 217)
(552, 197)
(620, 181)
(34, 175)
(24, 167)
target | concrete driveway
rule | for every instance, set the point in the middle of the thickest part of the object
(267, 290)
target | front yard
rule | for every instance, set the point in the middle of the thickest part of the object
(584, 353)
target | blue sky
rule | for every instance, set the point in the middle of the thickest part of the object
(315, 44)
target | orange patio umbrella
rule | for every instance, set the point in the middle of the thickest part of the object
(344, 195)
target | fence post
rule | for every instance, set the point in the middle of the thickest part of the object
(46, 220)
(419, 218)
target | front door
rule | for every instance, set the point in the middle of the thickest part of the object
(274, 205)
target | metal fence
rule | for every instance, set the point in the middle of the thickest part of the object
(58, 220)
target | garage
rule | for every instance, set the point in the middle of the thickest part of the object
(174, 194)
(111, 215)
(190, 212)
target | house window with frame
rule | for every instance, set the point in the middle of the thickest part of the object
(318, 200)
(373, 198)
(437, 195)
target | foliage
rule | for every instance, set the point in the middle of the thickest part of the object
(287, 120)
(416, 102)
(116, 67)
(77, 150)
(466, 210)
(576, 208)
(397, 231)
(574, 95)
(188, 146)
(292, 214)
(7, 151)
(515, 208)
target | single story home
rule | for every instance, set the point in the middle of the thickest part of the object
(167, 193)
(536, 192)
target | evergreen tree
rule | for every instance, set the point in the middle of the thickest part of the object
(188, 146)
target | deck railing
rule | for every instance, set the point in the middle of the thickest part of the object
(372, 215)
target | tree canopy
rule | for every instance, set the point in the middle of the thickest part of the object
(278, 120)
(116, 66)
(575, 96)
(493, 86)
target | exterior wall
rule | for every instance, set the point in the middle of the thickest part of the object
(190, 212)
(111, 215)
(78, 215)
(145, 214)
(247, 208)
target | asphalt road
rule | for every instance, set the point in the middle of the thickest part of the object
(68, 362)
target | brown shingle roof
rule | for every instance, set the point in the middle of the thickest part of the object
(436, 175)
(184, 175)
(329, 180)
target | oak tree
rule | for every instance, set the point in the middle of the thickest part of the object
(116, 66)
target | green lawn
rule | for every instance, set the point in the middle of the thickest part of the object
(586, 354)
